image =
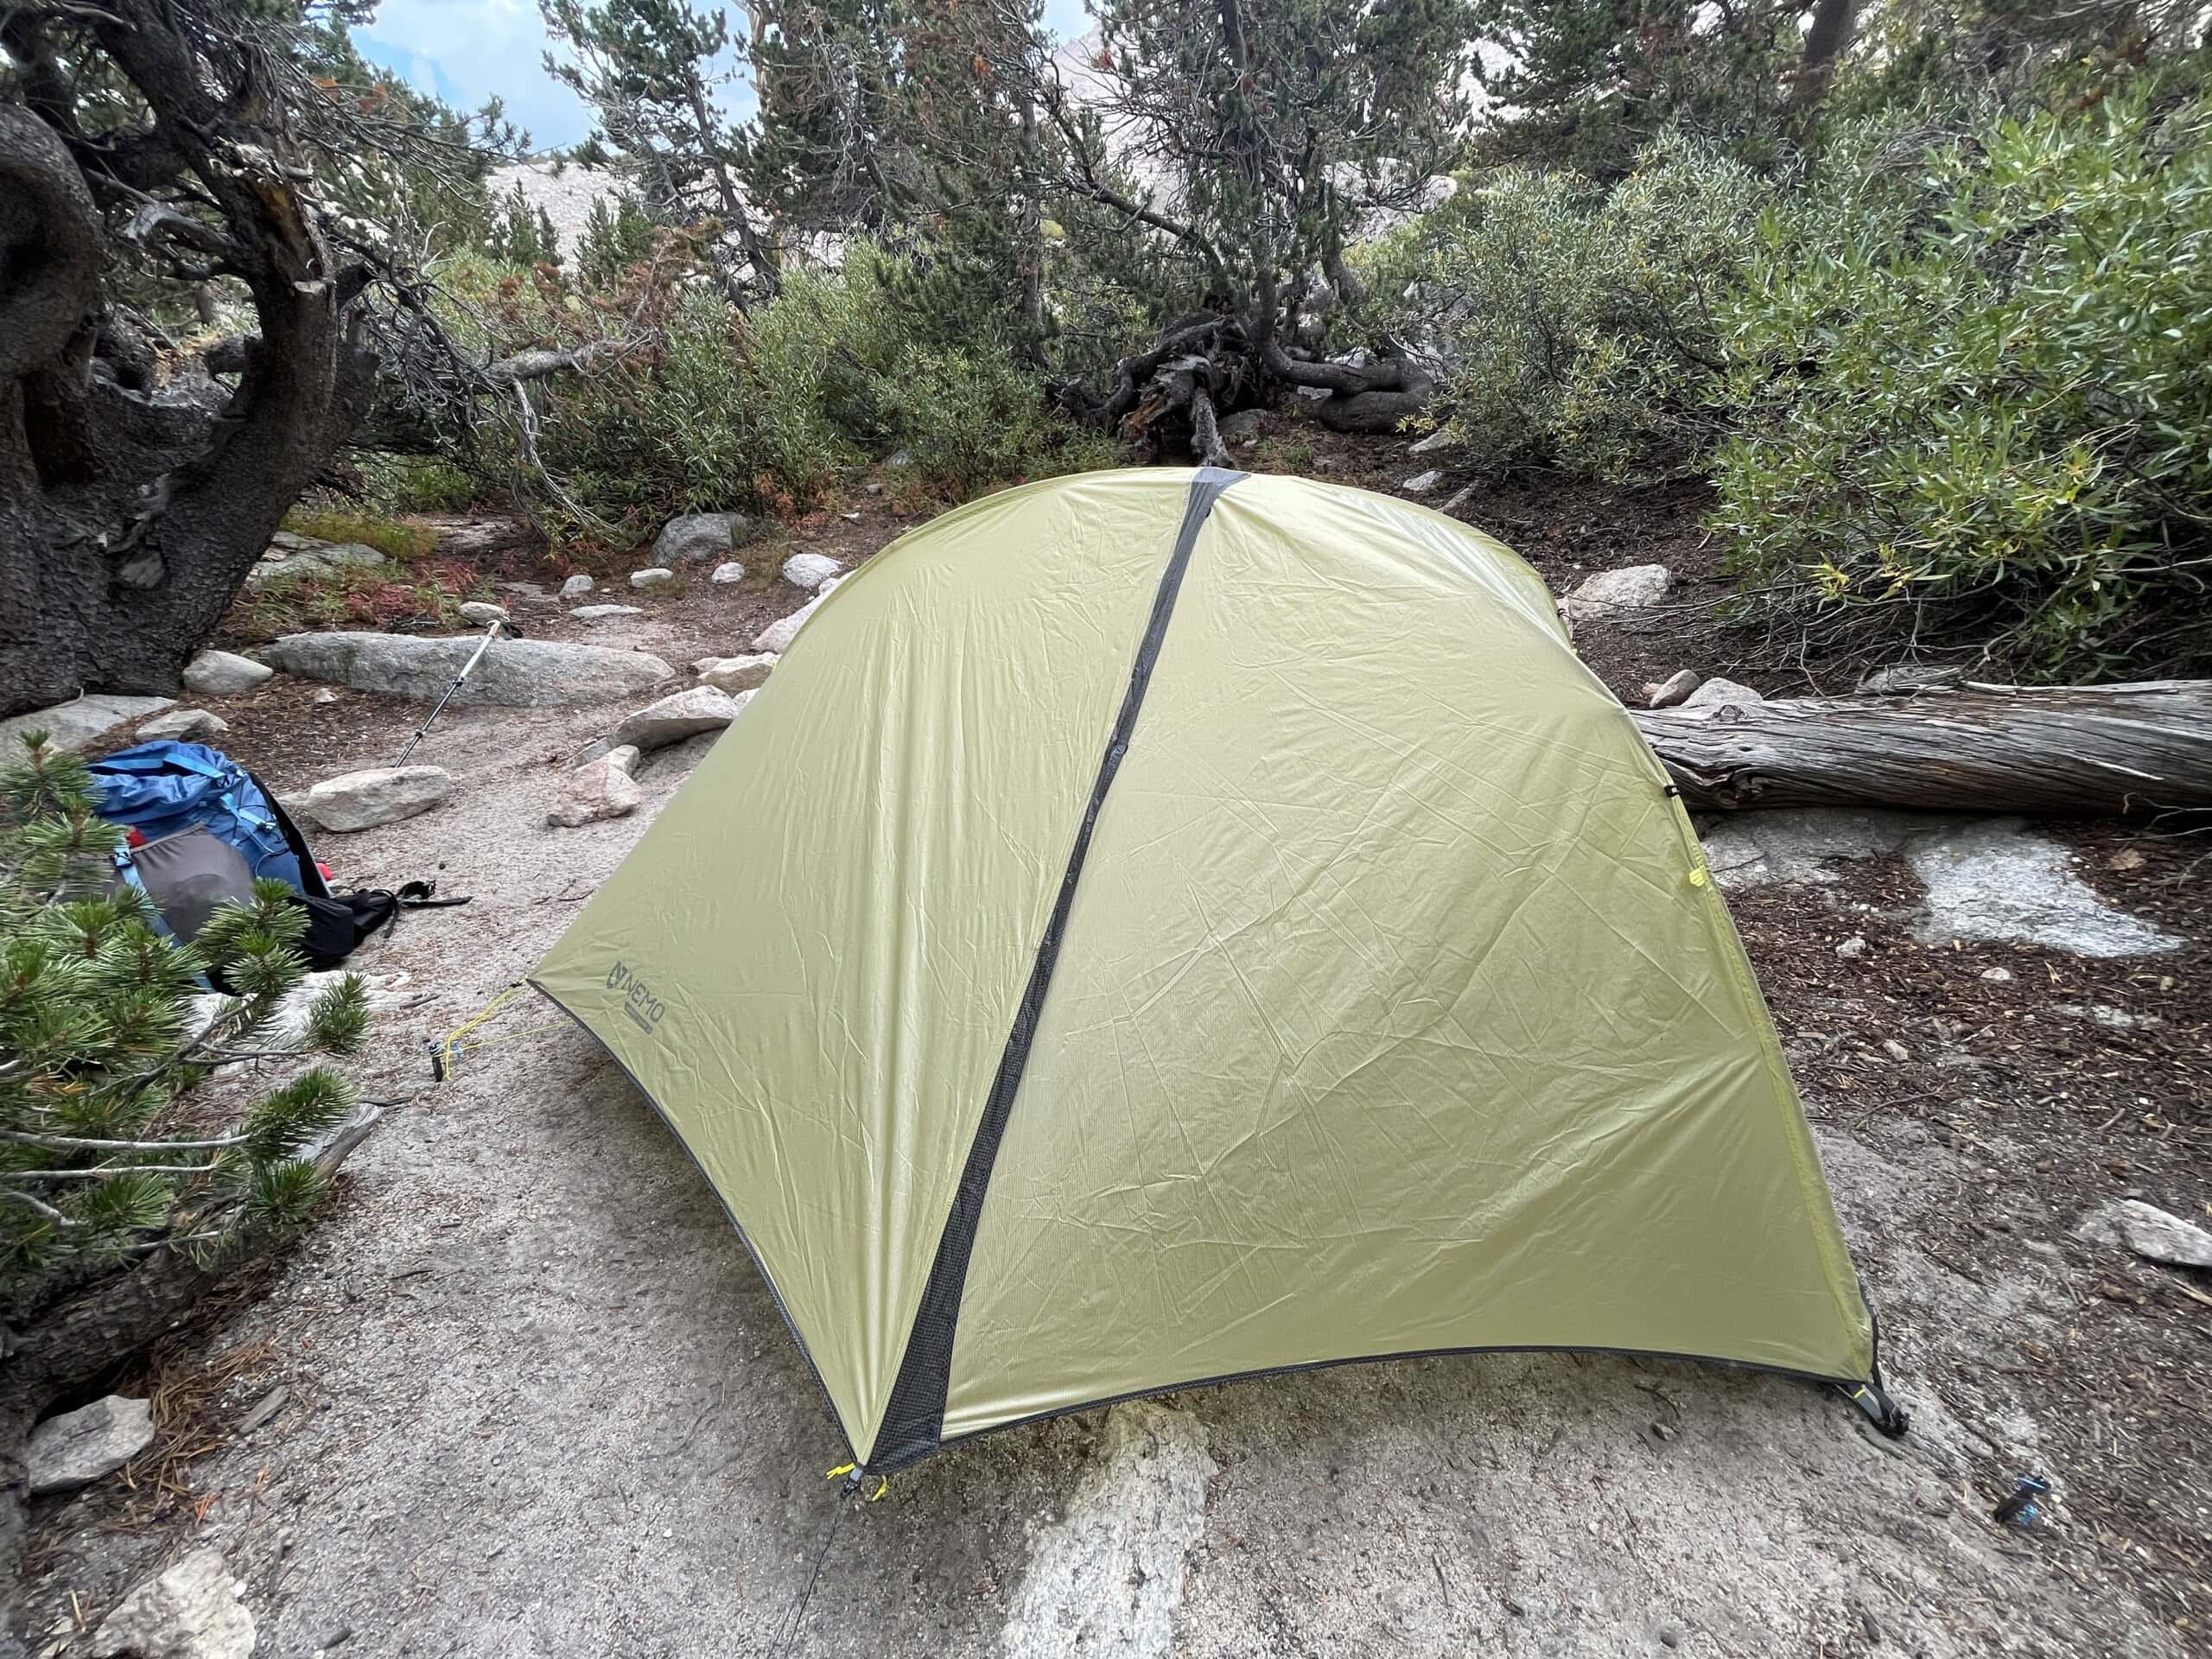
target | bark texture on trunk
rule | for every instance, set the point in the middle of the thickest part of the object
(2093, 750)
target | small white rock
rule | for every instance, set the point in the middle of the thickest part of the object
(1632, 589)
(1852, 949)
(599, 789)
(810, 570)
(1422, 483)
(594, 613)
(326, 695)
(728, 572)
(736, 673)
(1717, 691)
(651, 576)
(1896, 1050)
(578, 584)
(223, 674)
(1998, 975)
(1675, 690)
(1440, 438)
(182, 723)
(483, 613)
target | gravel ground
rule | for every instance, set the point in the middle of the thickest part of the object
(539, 1402)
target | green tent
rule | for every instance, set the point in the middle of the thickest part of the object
(1157, 927)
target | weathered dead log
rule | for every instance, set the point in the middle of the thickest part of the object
(2054, 750)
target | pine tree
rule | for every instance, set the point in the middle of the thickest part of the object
(649, 70)
(103, 1158)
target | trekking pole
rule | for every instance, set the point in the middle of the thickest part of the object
(459, 680)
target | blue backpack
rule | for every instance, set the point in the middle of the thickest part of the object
(207, 830)
(164, 789)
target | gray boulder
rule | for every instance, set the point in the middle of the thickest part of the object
(599, 789)
(1991, 879)
(575, 585)
(85, 721)
(698, 538)
(734, 674)
(1244, 423)
(312, 556)
(776, 638)
(1440, 438)
(223, 674)
(651, 576)
(181, 724)
(514, 673)
(362, 800)
(598, 613)
(2152, 1233)
(1674, 689)
(729, 571)
(76, 1448)
(192, 1610)
(810, 570)
(684, 714)
(1422, 483)
(483, 614)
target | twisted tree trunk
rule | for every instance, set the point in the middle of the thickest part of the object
(131, 509)
(2055, 750)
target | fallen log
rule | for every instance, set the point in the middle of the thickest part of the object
(2093, 750)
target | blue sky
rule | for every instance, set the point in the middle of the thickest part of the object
(465, 51)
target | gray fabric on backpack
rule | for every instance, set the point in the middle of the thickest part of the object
(188, 874)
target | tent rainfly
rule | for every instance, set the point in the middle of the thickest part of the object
(1158, 927)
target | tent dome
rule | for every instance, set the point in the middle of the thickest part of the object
(1157, 926)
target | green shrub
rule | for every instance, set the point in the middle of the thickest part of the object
(1579, 320)
(769, 410)
(969, 421)
(1982, 376)
(421, 484)
(389, 537)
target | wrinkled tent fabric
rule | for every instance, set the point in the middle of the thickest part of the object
(1158, 927)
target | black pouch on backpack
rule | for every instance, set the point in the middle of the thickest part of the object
(338, 924)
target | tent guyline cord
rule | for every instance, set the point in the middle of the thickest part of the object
(446, 1052)
(795, 1620)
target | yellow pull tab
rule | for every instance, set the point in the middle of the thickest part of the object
(881, 1490)
(842, 1469)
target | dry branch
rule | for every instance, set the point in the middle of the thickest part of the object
(2068, 750)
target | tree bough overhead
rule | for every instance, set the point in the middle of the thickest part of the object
(161, 160)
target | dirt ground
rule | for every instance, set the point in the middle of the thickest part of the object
(536, 1401)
